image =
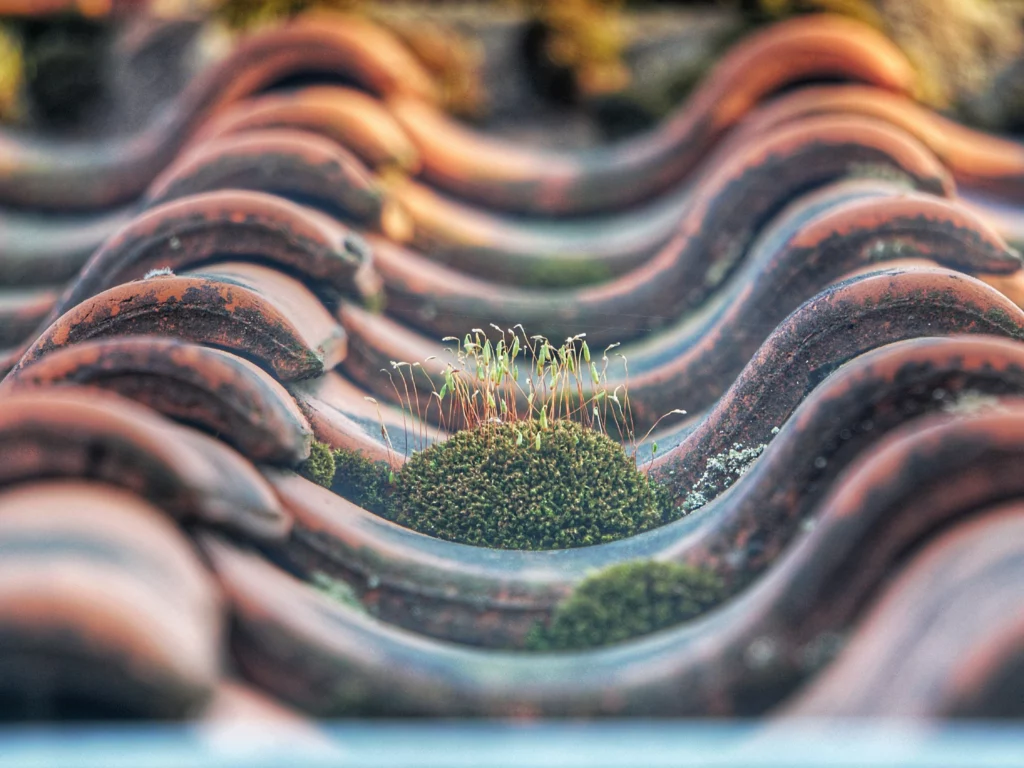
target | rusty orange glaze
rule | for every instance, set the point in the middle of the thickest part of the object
(91, 434)
(978, 161)
(536, 252)
(513, 178)
(292, 164)
(354, 120)
(251, 310)
(342, 417)
(21, 312)
(57, 175)
(735, 203)
(683, 368)
(225, 225)
(414, 580)
(105, 609)
(945, 639)
(864, 234)
(740, 660)
(218, 392)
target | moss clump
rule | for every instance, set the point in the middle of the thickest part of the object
(520, 486)
(361, 481)
(627, 601)
(319, 467)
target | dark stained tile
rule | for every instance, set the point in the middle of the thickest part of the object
(214, 390)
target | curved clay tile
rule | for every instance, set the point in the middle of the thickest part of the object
(512, 178)
(494, 597)
(978, 161)
(330, 659)
(55, 175)
(22, 312)
(354, 120)
(676, 369)
(343, 417)
(251, 310)
(540, 252)
(216, 391)
(772, 280)
(718, 222)
(44, 249)
(225, 226)
(105, 609)
(291, 164)
(945, 640)
(86, 433)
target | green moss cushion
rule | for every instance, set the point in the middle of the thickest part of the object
(518, 486)
(627, 601)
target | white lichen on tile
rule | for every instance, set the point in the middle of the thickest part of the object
(721, 472)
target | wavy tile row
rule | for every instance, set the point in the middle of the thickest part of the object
(187, 307)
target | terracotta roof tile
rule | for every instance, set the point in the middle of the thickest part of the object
(741, 659)
(216, 391)
(105, 609)
(943, 640)
(467, 589)
(83, 433)
(797, 272)
(253, 310)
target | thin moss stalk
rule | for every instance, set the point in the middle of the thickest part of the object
(628, 601)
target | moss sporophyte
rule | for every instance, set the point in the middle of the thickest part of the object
(528, 462)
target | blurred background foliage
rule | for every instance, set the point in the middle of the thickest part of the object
(611, 57)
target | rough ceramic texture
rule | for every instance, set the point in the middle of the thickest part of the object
(514, 178)
(740, 659)
(482, 597)
(737, 247)
(213, 390)
(57, 176)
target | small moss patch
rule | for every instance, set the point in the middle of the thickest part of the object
(319, 467)
(519, 486)
(628, 601)
(361, 481)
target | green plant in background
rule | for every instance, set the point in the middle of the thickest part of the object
(627, 601)
(12, 73)
(247, 14)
